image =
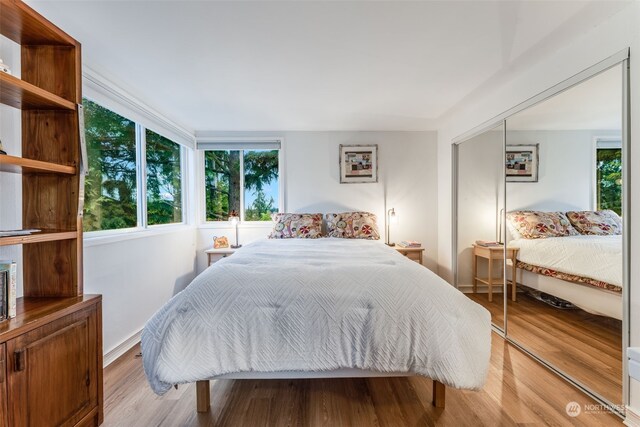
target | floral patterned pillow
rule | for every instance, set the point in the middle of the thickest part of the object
(539, 225)
(352, 225)
(598, 223)
(300, 226)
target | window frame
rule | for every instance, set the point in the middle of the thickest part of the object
(142, 224)
(601, 142)
(240, 144)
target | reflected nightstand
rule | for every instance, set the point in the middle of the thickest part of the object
(491, 254)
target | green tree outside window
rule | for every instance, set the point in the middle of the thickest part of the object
(223, 183)
(110, 186)
(609, 179)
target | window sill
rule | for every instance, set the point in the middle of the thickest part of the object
(242, 225)
(97, 238)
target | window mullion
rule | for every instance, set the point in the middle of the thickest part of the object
(242, 185)
(141, 156)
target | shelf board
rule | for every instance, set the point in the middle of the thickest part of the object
(25, 96)
(25, 26)
(18, 164)
(34, 312)
(42, 236)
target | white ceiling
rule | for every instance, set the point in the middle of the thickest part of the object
(595, 104)
(306, 65)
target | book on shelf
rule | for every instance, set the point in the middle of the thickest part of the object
(488, 243)
(9, 269)
(4, 292)
(409, 244)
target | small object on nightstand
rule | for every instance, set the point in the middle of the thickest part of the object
(413, 253)
(214, 255)
(392, 218)
(491, 254)
(220, 242)
(234, 219)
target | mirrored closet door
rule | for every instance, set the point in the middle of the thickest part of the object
(540, 201)
(480, 204)
(564, 220)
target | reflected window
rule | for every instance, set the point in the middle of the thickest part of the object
(609, 176)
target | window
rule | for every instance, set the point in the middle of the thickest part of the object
(246, 181)
(261, 184)
(110, 186)
(114, 150)
(164, 180)
(608, 191)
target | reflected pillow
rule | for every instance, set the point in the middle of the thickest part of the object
(596, 223)
(540, 225)
(297, 226)
(352, 225)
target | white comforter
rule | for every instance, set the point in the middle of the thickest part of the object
(595, 257)
(317, 305)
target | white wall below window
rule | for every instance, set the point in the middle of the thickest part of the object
(407, 182)
(136, 276)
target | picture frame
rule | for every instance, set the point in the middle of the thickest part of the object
(358, 164)
(522, 163)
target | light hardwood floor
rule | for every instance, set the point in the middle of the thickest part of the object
(519, 391)
(584, 345)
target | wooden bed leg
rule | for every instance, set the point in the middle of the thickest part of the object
(203, 396)
(438, 394)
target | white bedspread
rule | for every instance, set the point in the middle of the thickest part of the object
(317, 305)
(595, 257)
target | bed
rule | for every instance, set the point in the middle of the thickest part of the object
(585, 270)
(305, 308)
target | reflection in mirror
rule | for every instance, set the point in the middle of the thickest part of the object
(480, 202)
(563, 203)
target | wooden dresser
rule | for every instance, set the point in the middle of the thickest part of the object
(51, 353)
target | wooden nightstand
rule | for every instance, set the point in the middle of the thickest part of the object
(414, 254)
(214, 255)
(491, 254)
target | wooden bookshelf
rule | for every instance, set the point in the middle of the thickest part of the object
(52, 350)
(20, 165)
(35, 312)
(25, 26)
(22, 95)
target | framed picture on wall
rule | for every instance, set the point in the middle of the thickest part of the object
(358, 163)
(522, 163)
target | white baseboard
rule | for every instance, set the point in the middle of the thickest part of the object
(632, 418)
(121, 349)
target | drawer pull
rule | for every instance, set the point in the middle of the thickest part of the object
(19, 360)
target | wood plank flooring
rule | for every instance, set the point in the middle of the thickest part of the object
(519, 391)
(583, 345)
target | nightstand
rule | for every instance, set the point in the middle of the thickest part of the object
(414, 254)
(214, 255)
(491, 254)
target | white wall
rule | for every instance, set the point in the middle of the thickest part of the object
(565, 176)
(597, 43)
(407, 176)
(136, 276)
